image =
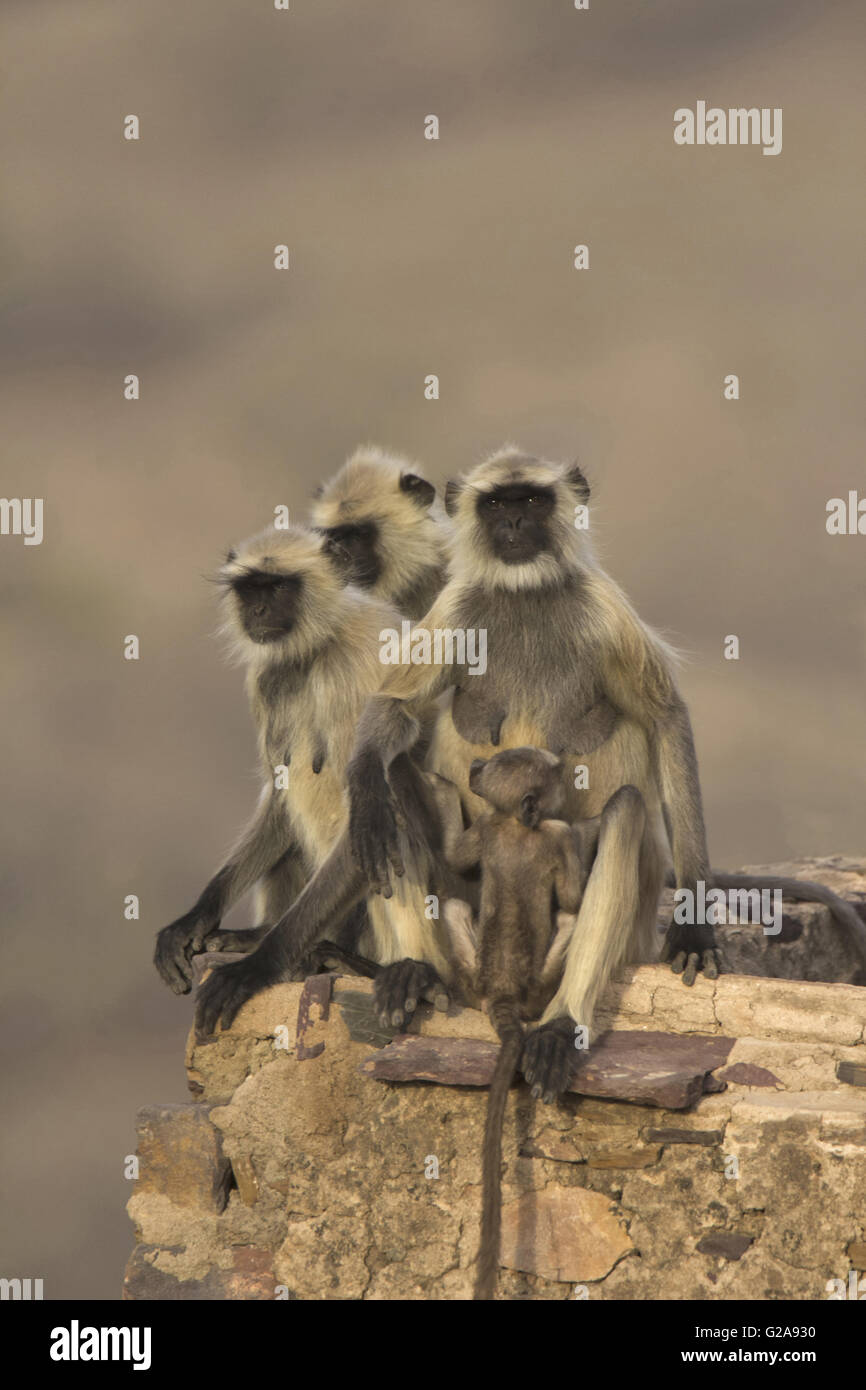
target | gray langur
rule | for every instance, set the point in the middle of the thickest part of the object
(386, 527)
(310, 645)
(511, 957)
(570, 668)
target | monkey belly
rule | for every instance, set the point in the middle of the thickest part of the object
(317, 806)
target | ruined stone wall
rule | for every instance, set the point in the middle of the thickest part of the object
(736, 1167)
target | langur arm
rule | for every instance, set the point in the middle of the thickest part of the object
(259, 848)
(638, 681)
(389, 725)
(463, 850)
(569, 876)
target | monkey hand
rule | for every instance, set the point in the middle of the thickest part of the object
(373, 833)
(690, 948)
(228, 988)
(548, 1059)
(175, 947)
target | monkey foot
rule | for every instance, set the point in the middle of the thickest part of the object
(400, 986)
(225, 992)
(236, 940)
(689, 949)
(548, 1059)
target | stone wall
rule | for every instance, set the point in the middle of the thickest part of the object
(737, 1169)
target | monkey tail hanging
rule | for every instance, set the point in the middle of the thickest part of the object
(506, 1020)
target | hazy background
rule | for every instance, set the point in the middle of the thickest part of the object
(408, 257)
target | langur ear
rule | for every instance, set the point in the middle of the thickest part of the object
(317, 492)
(453, 489)
(418, 489)
(576, 479)
(230, 556)
(529, 810)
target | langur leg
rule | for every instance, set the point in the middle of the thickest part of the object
(328, 897)
(644, 946)
(607, 924)
(274, 895)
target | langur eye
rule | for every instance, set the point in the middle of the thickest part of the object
(494, 502)
(536, 499)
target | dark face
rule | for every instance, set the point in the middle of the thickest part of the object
(268, 603)
(516, 519)
(353, 549)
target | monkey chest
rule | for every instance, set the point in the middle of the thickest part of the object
(566, 719)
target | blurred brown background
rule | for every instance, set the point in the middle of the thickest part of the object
(408, 257)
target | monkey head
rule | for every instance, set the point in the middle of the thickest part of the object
(380, 519)
(521, 782)
(281, 592)
(515, 521)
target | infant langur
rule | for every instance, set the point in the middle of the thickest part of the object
(533, 871)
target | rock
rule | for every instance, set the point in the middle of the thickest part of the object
(250, 1277)
(654, 1068)
(707, 1137)
(345, 1187)
(566, 1234)
(726, 1244)
(180, 1156)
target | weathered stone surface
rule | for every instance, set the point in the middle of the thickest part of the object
(564, 1234)
(707, 1137)
(747, 1074)
(180, 1156)
(639, 1157)
(727, 1244)
(251, 1277)
(363, 1190)
(313, 1006)
(652, 1068)
(818, 949)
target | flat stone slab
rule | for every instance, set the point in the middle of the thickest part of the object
(660, 1069)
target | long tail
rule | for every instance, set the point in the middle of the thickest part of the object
(506, 1020)
(801, 891)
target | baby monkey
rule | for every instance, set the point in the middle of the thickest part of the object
(533, 872)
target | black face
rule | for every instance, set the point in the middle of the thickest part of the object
(354, 550)
(268, 603)
(517, 521)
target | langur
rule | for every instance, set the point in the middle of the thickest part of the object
(311, 648)
(531, 865)
(386, 529)
(570, 668)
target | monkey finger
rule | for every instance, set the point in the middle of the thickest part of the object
(437, 995)
(712, 964)
(176, 979)
(678, 963)
(693, 965)
(170, 965)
